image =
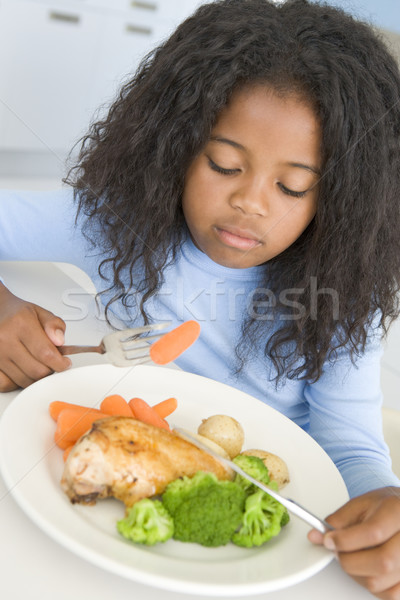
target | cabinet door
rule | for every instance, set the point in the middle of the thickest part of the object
(47, 61)
(126, 41)
(167, 10)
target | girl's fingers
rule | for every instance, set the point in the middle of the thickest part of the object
(43, 355)
(34, 352)
(367, 540)
(316, 537)
(390, 593)
(382, 562)
(351, 513)
(377, 569)
(16, 375)
(7, 384)
(377, 523)
(52, 325)
(386, 593)
(28, 364)
(29, 336)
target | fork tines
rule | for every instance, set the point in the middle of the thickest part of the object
(136, 346)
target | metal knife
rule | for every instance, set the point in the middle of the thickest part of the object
(291, 505)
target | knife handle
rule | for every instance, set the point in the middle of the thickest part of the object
(310, 518)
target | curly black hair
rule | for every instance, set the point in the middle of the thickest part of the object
(130, 173)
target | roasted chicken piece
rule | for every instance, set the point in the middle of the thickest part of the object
(130, 460)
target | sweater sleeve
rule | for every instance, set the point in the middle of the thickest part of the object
(345, 407)
(40, 226)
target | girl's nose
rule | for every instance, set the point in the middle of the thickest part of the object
(250, 199)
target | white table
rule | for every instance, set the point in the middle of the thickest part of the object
(32, 565)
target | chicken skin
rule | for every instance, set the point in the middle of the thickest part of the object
(130, 460)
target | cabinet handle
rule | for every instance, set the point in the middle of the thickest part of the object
(144, 4)
(137, 29)
(64, 17)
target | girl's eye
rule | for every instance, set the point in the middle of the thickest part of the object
(221, 170)
(286, 190)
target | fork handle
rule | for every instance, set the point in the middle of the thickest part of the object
(78, 349)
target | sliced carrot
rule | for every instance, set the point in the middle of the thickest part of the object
(57, 406)
(166, 407)
(174, 343)
(79, 410)
(67, 451)
(146, 413)
(117, 406)
(72, 423)
(131, 403)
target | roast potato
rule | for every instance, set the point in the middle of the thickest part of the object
(224, 431)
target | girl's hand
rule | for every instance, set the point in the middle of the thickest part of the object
(29, 336)
(367, 540)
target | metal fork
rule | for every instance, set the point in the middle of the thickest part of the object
(125, 348)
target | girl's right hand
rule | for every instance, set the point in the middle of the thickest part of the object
(29, 336)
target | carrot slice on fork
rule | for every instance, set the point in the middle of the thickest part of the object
(174, 343)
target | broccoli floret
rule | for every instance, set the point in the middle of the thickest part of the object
(262, 520)
(205, 510)
(254, 466)
(285, 518)
(263, 515)
(147, 522)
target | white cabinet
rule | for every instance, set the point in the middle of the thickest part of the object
(47, 58)
(126, 40)
(60, 60)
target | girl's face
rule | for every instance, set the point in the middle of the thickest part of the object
(252, 190)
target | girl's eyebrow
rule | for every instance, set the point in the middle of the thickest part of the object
(306, 167)
(222, 140)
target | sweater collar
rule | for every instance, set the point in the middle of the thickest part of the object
(202, 261)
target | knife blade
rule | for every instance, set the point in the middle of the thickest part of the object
(291, 505)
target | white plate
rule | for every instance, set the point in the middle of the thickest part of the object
(32, 468)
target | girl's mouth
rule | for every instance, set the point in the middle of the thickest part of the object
(238, 239)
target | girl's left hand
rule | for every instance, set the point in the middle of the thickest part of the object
(367, 540)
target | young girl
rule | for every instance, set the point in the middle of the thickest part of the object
(247, 177)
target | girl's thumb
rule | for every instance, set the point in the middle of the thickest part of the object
(56, 336)
(53, 326)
